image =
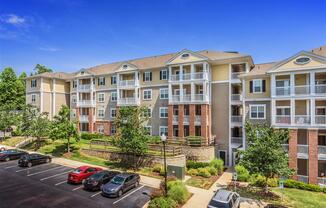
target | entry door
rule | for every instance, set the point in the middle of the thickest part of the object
(222, 155)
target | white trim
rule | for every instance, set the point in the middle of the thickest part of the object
(149, 90)
(147, 73)
(115, 96)
(41, 95)
(154, 85)
(260, 86)
(257, 99)
(98, 97)
(257, 105)
(98, 112)
(226, 155)
(222, 81)
(166, 71)
(151, 111)
(167, 93)
(161, 131)
(161, 108)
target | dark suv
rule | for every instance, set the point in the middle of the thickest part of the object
(120, 184)
(225, 199)
(33, 159)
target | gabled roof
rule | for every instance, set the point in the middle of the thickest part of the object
(186, 51)
(259, 69)
(56, 75)
(321, 51)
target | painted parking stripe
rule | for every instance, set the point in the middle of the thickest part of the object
(17, 171)
(77, 188)
(54, 175)
(128, 195)
(11, 167)
(57, 184)
(96, 194)
(44, 171)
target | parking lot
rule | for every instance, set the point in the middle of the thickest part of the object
(45, 186)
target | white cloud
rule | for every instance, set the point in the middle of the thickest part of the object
(49, 49)
(13, 19)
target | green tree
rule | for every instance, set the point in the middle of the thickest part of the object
(8, 118)
(39, 69)
(62, 127)
(26, 118)
(132, 137)
(264, 154)
(39, 126)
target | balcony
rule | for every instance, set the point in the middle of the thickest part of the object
(320, 119)
(283, 119)
(189, 76)
(236, 140)
(236, 119)
(321, 152)
(321, 181)
(236, 97)
(302, 119)
(302, 151)
(85, 87)
(186, 119)
(83, 119)
(303, 178)
(127, 83)
(197, 120)
(128, 101)
(302, 90)
(188, 98)
(235, 75)
(320, 89)
(175, 120)
(86, 103)
(283, 91)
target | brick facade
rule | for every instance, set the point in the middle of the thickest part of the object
(293, 150)
(181, 116)
(313, 155)
(106, 125)
(192, 112)
(91, 120)
(170, 121)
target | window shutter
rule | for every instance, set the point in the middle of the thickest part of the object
(264, 85)
(144, 77)
(150, 76)
(160, 75)
(103, 80)
(98, 81)
(251, 86)
(111, 80)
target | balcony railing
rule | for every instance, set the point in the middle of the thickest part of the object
(236, 97)
(189, 76)
(236, 140)
(186, 76)
(302, 119)
(175, 119)
(128, 101)
(186, 119)
(321, 181)
(188, 98)
(302, 90)
(320, 119)
(322, 152)
(283, 91)
(198, 97)
(235, 75)
(127, 83)
(303, 178)
(197, 120)
(86, 103)
(85, 87)
(283, 119)
(83, 119)
(236, 119)
(302, 151)
(320, 89)
(199, 75)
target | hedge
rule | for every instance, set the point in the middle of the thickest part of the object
(162, 202)
(289, 183)
(195, 165)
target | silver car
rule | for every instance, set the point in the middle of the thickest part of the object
(225, 199)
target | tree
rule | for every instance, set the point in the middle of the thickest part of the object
(62, 127)
(131, 136)
(264, 154)
(8, 118)
(39, 126)
(39, 69)
(26, 118)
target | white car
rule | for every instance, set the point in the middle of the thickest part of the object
(2, 148)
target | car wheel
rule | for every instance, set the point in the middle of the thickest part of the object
(120, 193)
(47, 160)
(136, 184)
(7, 159)
(83, 181)
(29, 164)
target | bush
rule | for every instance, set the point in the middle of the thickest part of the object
(195, 141)
(162, 202)
(203, 172)
(193, 172)
(242, 172)
(272, 182)
(178, 191)
(194, 165)
(218, 164)
(304, 186)
(154, 140)
(157, 168)
(212, 170)
(258, 180)
(90, 136)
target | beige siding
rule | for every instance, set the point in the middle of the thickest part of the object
(62, 86)
(47, 85)
(292, 65)
(28, 85)
(265, 94)
(220, 72)
(155, 78)
(47, 103)
(191, 58)
(61, 99)
(37, 99)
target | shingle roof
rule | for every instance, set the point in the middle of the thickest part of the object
(321, 51)
(260, 69)
(57, 75)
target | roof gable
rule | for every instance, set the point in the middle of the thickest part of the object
(126, 66)
(83, 73)
(186, 56)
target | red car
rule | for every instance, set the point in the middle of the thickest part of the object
(80, 174)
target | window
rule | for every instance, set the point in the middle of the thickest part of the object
(113, 80)
(74, 99)
(101, 97)
(33, 98)
(147, 94)
(257, 85)
(163, 130)
(100, 113)
(302, 60)
(113, 112)
(33, 83)
(73, 114)
(185, 55)
(164, 93)
(74, 84)
(164, 112)
(283, 110)
(101, 81)
(147, 76)
(113, 96)
(164, 74)
(113, 130)
(148, 112)
(257, 111)
(100, 129)
(148, 130)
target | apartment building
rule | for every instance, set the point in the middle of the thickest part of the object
(204, 93)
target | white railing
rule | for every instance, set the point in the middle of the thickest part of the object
(85, 103)
(320, 119)
(199, 75)
(127, 83)
(302, 151)
(236, 97)
(302, 90)
(186, 97)
(85, 87)
(186, 119)
(83, 118)
(127, 101)
(236, 140)
(282, 91)
(175, 98)
(198, 97)
(320, 89)
(235, 75)
(322, 152)
(283, 119)
(302, 119)
(198, 119)
(285, 147)
(174, 77)
(175, 119)
(302, 178)
(236, 119)
(321, 181)
(189, 76)
(186, 76)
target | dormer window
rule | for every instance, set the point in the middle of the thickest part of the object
(185, 55)
(302, 60)
(82, 72)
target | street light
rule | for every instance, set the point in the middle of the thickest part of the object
(163, 138)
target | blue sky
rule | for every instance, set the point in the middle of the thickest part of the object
(67, 35)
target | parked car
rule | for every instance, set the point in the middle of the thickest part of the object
(80, 174)
(225, 199)
(120, 184)
(95, 181)
(11, 154)
(2, 148)
(30, 160)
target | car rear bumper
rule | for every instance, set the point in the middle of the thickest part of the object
(109, 194)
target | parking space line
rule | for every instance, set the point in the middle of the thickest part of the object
(96, 194)
(128, 194)
(77, 188)
(17, 171)
(44, 171)
(54, 175)
(11, 166)
(57, 184)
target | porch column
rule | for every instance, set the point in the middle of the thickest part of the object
(181, 114)
(204, 121)
(273, 89)
(292, 83)
(313, 155)
(192, 111)
(273, 111)
(313, 111)
(292, 109)
(312, 82)
(293, 150)
(170, 121)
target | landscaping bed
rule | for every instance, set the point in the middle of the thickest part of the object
(12, 141)
(201, 182)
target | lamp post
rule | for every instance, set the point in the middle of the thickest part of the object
(163, 138)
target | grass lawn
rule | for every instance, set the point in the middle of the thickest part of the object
(301, 198)
(201, 182)
(12, 141)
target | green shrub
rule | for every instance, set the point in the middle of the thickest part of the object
(178, 191)
(194, 165)
(258, 180)
(162, 202)
(304, 186)
(212, 170)
(154, 140)
(218, 164)
(242, 173)
(203, 172)
(272, 182)
(195, 141)
(193, 172)
(157, 168)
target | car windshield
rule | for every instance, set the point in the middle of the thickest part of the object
(98, 175)
(8, 151)
(117, 180)
(214, 203)
(77, 171)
